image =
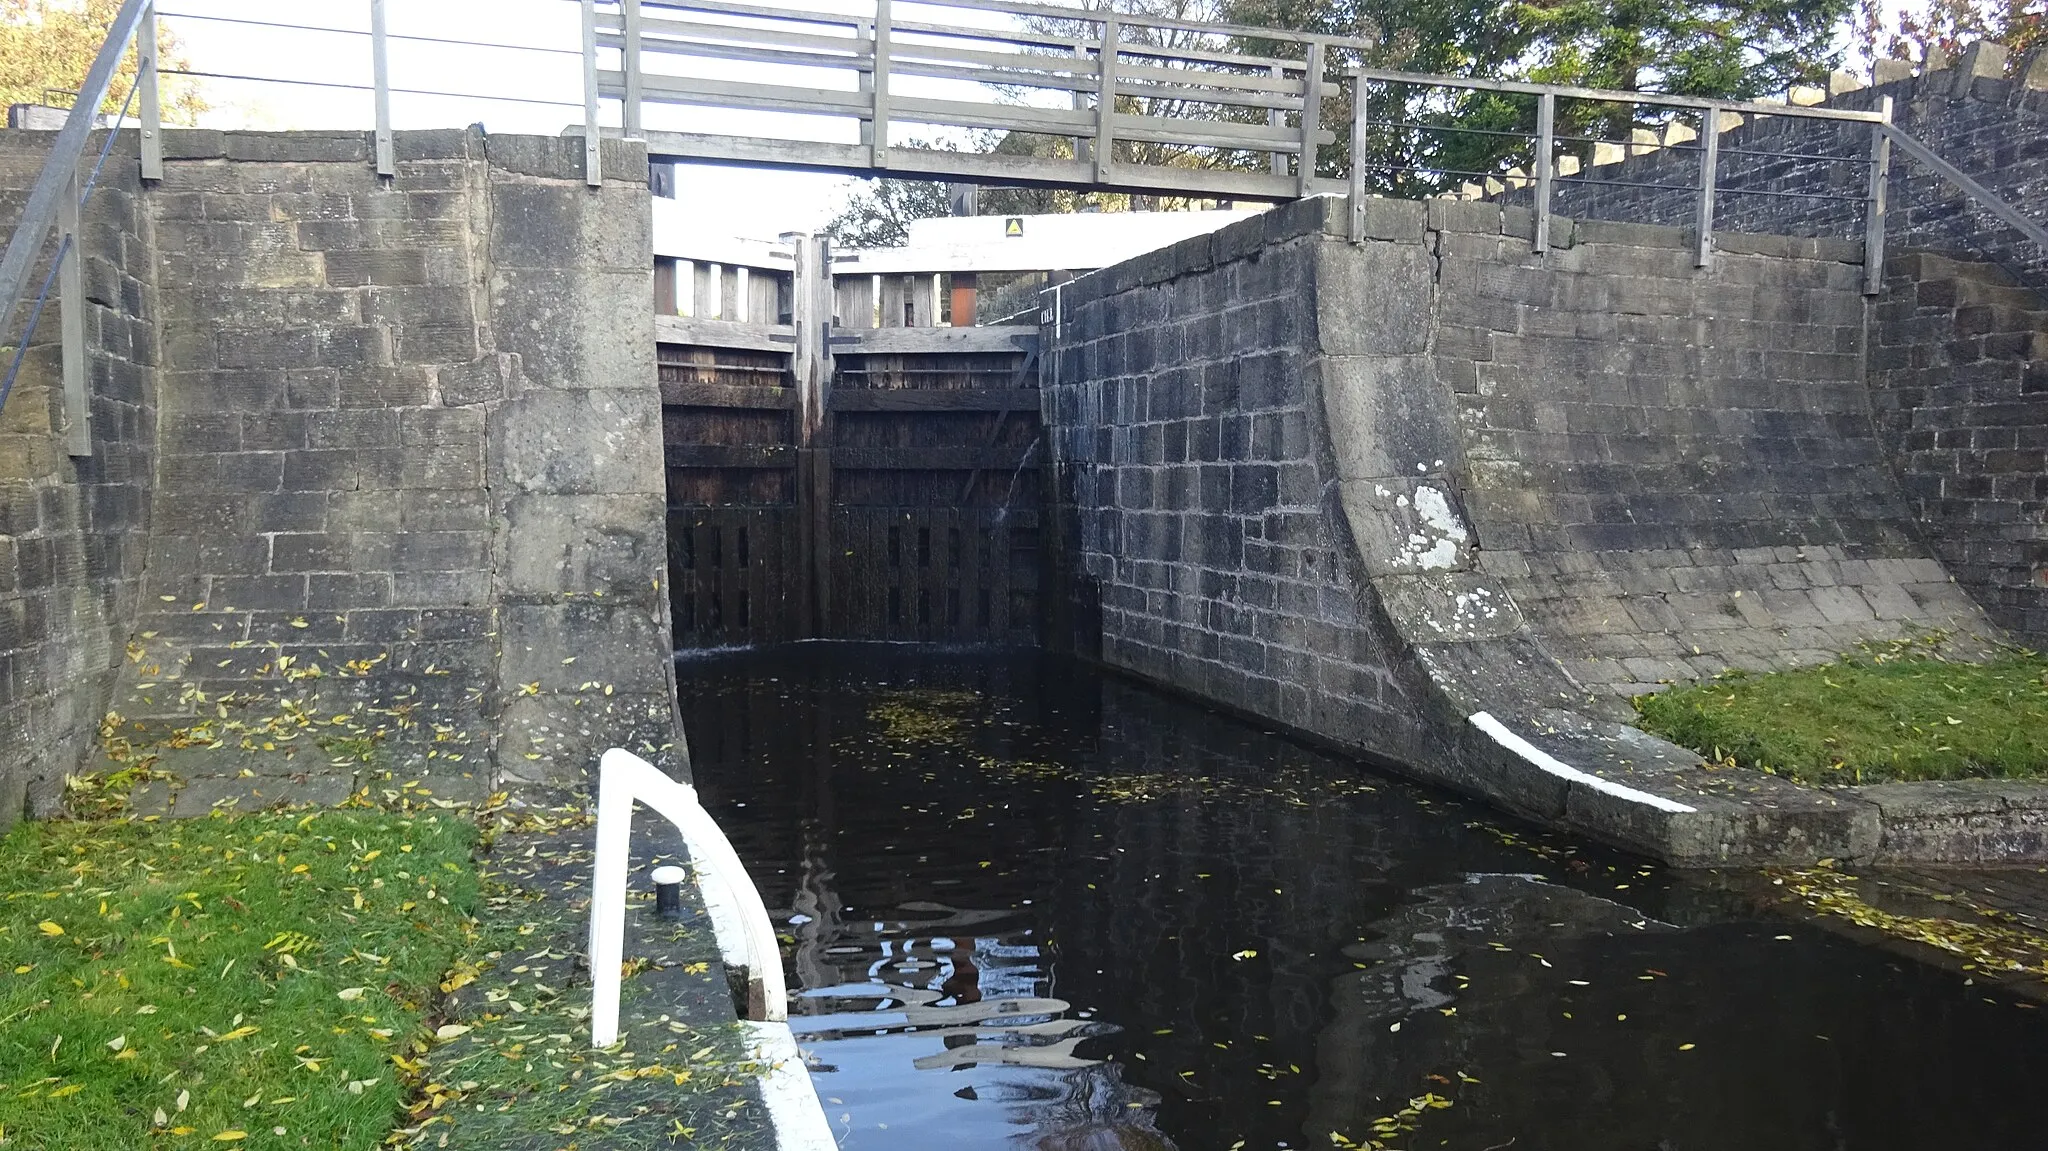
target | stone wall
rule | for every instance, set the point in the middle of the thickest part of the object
(73, 529)
(1988, 120)
(1958, 372)
(411, 470)
(1187, 433)
(1371, 491)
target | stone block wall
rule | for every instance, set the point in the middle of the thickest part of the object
(1189, 438)
(1668, 472)
(411, 453)
(1959, 376)
(73, 529)
(1372, 491)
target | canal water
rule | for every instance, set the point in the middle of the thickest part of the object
(1029, 905)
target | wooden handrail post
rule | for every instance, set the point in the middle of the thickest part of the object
(1546, 164)
(380, 70)
(629, 116)
(1359, 123)
(864, 70)
(1710, 159)
(1311, 117)
(71, 300)
(879, 105)
(1276, 119)
(1880, 190)
(151, 96)
(1105, 97)
(593, 151)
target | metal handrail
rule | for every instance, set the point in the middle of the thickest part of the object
(1883, 135)
(739, 920)
(60, 169)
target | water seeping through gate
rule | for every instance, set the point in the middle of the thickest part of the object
(1027, 905)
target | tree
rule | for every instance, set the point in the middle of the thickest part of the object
(879, 214)
(1736, 49)
(47, 46)
(1949, 26)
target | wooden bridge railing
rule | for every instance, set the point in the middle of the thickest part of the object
(1145, 104)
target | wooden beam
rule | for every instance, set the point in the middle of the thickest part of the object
(1006, 459)
(724, 334)
(899, 340)
(934, 400)
(729, 456)
(728, 396)
(974, 168)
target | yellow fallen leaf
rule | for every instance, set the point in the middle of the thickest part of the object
(240, 1033)
(350, 994)
(49, 928)
(230, 1136)
(67, 1089)
(449, 1031)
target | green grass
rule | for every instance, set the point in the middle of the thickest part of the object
(1874, 718)
(226, 982)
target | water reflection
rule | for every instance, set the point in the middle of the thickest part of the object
(1032, 907)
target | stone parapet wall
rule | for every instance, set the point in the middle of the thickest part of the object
(377, 473)
(74, 530)
(411, 440)
(1986, 118)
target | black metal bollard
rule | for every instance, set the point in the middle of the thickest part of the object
(668, 892)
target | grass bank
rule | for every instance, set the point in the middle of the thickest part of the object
(226, 981)
(333, 978)
(1881, 716)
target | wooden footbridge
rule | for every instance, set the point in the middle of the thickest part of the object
(1100, 100)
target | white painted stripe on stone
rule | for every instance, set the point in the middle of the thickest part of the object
(1485, 722)
(786, 1089)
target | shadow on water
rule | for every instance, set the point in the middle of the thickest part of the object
(1033, 906)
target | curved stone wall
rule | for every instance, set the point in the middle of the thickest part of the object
(1448, 502)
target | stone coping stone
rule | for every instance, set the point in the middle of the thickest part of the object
(1743, 817)
(1964, 821)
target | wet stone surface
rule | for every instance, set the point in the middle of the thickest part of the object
(1027, 905)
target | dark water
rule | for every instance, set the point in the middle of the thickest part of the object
(1033, 906)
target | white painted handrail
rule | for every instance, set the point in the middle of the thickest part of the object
(746, 938)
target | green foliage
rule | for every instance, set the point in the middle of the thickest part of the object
(230, 981)
(1719, 48)
(1887, 30)
(878, 215)
(1872, 718)
(47, 46)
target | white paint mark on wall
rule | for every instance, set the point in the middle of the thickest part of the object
(1434, 546)
(1501, 734)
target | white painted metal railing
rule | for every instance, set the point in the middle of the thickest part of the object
(746, 938)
